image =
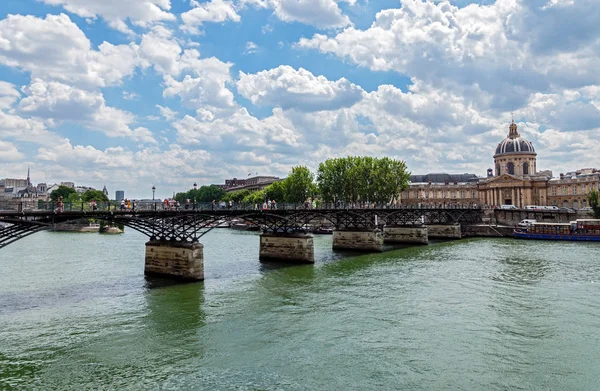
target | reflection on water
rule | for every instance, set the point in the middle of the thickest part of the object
(175, 308)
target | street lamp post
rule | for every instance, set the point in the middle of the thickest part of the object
(195, 188)
(153, 190)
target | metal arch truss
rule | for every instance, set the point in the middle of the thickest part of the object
(15, 229)
(178, 228)
(189, 226)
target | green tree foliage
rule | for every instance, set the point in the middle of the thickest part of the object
(275, 191)
(202, 194)
(95, 195)
(299, 185)
(64, 192)
(236, 196)
(362, 179)
(594, 202)
(256, 197)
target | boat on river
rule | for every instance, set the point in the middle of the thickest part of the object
(580, 230)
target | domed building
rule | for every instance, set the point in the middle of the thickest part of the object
(515, 181)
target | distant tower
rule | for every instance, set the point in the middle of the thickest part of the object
(28, 179)
(105, 191)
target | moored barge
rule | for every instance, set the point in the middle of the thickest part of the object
(580, 230)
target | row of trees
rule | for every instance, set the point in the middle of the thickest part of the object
(362, 178)
(349, 179)
(202, 194)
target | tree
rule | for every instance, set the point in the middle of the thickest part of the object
(594, 202)
(64, 192)
(203, 194)
(275, 191)
(256, 197)
(95, 195)
(362, 179)
(299, 185)
(236, 196)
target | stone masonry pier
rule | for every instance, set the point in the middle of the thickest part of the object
(369, 241)
(183, 261)
(451, 231)
(406, 234)
(287, 247)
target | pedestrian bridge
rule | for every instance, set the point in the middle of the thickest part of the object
(174, 234)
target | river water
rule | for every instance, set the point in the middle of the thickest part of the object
(76, 313)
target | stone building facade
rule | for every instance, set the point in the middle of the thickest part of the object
(514, 181)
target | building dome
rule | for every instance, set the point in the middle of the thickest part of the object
(514, 143)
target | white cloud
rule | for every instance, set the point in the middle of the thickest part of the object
(57, 102)
(8, 95)
(323, 14)
(213, 11)
(9, 152)
(206, 90)
(487, 52)
(167, 113)
(288, 88)
(127, 95)
(251, 48)
(55, 48)
(118, 12)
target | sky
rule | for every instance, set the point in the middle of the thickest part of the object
(167, 93)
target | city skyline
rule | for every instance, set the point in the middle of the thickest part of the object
(166, 93)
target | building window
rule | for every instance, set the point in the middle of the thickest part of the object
(497, 170)
(564, 190)
(443, 193)
(525, 168)
(473, 194)
(553, 190)
(574, 189)
(510, 168)
(462, 194)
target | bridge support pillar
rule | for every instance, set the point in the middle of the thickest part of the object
(183, 261)
(451, 231)
(369, 241)
(408, 234)
(287, 247)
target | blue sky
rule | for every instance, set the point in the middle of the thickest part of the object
(135, 93)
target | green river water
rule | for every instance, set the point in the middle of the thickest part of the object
(76, 313)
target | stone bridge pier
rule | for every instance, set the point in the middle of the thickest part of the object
(358, 240)
(293, 247)
(415, 234)
(172, 259)
(444, 231)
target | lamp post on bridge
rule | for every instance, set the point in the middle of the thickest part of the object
(195, 188)
(153, 190)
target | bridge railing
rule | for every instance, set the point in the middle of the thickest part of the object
(29, 205)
